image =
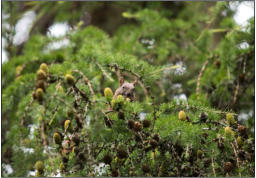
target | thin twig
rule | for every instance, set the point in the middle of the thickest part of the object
(100, 150)
(108, 111)
(104, 72)
(154, 117)
(213, 168)
(109, 121)
(130, 157)
(77, 90)
(118, 74)
(43, 135)
(143, 88)
(237, 159)
(199, 77)
(86, 108)
(236, 92)
(87, 81)
(203, 32)
(125, 70)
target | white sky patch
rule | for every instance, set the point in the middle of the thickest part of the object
(5, 16)
(48, 148)
(56, 175)
(142, 116)
(244, 116)
(244, 45)
(4, 54)
(22, 27)
(58, 29)
(148, 42)
(87, 120)
(5, 24)
(7, 169)
(244, 11)
(180, 98)
(180, 70)
(31, 173)
(56, 45)
(176, 86)
(32, 129)
(100, 169)
(27, 150)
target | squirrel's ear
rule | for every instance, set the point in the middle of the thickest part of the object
(135, 82)
(121, 81)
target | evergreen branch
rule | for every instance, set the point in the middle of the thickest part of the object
(205, 29)
(54, 112)
(163, 69)
(100, 150)
(87, 81)
(45, 141)
(24, 116)
(61, 100)
(186, 105)
(126, 70)
(108, 122)
(133, 167)
(206, 109)
(77, 90)
(104, 72)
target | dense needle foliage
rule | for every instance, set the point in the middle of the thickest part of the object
(143, 89)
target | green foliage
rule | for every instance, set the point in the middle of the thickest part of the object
(190, 53)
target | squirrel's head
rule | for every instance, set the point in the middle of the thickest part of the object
(127, 90)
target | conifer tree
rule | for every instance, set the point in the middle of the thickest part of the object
(108, 103)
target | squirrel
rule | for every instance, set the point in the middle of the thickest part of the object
(126, 89)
